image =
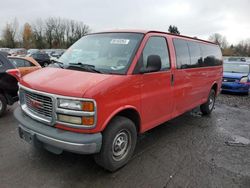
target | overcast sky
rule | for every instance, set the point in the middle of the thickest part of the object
(193, 18)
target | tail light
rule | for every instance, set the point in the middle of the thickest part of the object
(14, 72)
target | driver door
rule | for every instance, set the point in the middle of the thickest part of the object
(156, 87)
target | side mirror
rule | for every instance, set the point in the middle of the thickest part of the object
(153, 64)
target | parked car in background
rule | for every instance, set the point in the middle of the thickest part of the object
(54, 54)
(236, 59)
(25, 64)
(8, 84)
(236, 77)
(111, 87)
(32, 51)
(42, 58)
(18, 52)
(7, 50)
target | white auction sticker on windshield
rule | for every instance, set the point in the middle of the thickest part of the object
(119, 41)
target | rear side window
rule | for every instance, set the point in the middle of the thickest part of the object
(191, 54)
(195, 54)
(157, 46)
(182, 53)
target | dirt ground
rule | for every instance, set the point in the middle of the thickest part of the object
(189, 151)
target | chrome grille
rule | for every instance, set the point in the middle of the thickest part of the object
(39, 104)
(229, 79)
(42, 106)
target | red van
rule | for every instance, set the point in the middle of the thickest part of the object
(109, 87)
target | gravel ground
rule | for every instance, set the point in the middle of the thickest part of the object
(235, 100)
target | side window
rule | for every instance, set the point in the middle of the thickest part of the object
(28, 64)
(182, 53)
(157, 46)
(1, 65)
(195, 54)
(18, 62)
(35, 56)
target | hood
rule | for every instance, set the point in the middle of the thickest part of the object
(62, 81)
(234, 75)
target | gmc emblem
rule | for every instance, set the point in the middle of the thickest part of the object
(36, 104)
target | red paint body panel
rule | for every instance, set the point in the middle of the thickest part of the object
(152, 95)
(62, 81)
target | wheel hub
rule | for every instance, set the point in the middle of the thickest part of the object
(121, 145)
(211, 102)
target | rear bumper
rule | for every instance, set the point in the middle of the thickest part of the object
(56, 140)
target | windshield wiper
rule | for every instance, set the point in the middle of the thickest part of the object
(87, 67)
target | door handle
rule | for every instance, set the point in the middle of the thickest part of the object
(172, 79)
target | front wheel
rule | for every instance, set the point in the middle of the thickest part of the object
(46, 64)
(208, 107)
(119, 141)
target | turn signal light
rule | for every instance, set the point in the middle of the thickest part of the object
(88, 106)
(90, 120)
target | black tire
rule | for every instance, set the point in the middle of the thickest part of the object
(208, 107)
(3, 104)
(118, 129)
(45, 64)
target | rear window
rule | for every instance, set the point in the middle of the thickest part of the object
(211, 55)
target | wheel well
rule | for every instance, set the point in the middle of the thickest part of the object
(2, 93)
(215, 87)
(133, 115)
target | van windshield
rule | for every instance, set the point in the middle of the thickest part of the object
(236, 68)
(109, 53)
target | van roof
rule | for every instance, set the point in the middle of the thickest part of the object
(153, 31)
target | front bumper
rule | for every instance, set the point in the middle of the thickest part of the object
(56, 140)
(235, 87)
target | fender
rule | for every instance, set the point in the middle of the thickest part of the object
(115, 112)
(217, 89)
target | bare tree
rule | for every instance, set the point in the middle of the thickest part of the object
(219, 39)
(38, 34)
(49, 33)
(49, 28)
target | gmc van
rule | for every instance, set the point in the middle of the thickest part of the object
(109, 87)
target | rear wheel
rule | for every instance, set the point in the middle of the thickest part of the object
(208, 107)
(3, 104)
(119, 141)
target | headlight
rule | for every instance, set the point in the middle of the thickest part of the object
(87, 106)
(244, 80)
(70, 119)
(70, 104)
(76, 112)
